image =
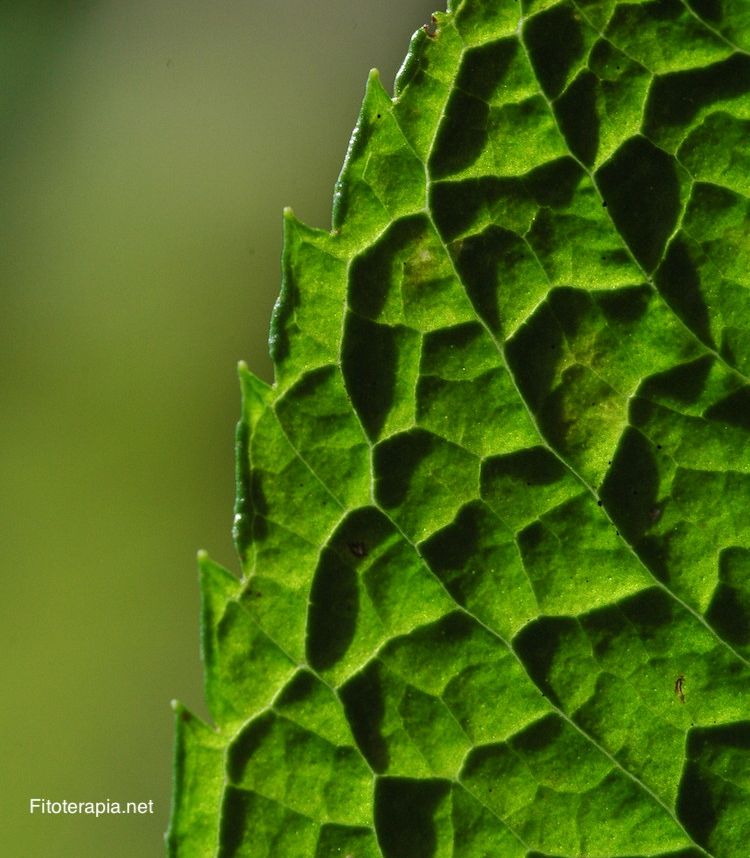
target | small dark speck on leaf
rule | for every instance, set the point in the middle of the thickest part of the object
(679, 687)
(599, 503)
(378, 116)
(658, 446)
(358, 549)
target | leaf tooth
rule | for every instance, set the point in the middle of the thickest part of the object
(198, 777)
(256, 394)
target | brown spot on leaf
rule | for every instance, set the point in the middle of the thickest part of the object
(432, 28)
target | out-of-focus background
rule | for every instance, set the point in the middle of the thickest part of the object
(146, 150)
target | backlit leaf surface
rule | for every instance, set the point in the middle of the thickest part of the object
(497, 501)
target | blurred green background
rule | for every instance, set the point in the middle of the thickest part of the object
(146, 150)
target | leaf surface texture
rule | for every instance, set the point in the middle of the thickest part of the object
(493, 513)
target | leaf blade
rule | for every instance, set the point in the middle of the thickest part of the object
(494, 494)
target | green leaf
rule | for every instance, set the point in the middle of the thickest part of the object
(493, 512)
